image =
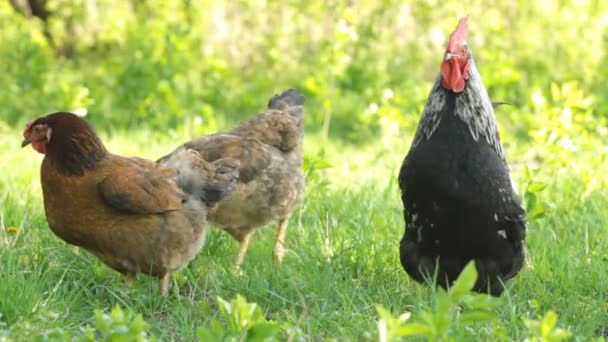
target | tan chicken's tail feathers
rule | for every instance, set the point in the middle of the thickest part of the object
(290, 100)
(209, 182)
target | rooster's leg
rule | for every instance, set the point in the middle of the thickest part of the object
(129, 279)
(244, 245)
(164, 284)
(279, 244)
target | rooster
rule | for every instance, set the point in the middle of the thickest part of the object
(458, 196)
(271, 182)
(134, 216)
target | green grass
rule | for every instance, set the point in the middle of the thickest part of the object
(343, 256)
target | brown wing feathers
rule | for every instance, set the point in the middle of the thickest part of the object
(138, 187)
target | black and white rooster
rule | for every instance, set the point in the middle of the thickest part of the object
(458, 197)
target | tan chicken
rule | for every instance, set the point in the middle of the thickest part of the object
(134, 216)
(271, 181)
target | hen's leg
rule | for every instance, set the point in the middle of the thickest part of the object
(279, 244)
(164, 284)
(129, 279)
(244, 245)
(416, 261)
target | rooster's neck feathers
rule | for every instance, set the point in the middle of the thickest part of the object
(472, 106)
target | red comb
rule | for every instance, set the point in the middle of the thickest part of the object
(28, 127)
(459, 35)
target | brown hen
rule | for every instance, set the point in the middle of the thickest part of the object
(271, 181)
(134, 216)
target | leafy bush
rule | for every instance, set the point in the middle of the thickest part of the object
(451, 311)
(113, 327)
(457, 309)
(366, 68)
(545, 329)
(243, 322)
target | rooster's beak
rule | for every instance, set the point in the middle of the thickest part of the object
(448, 56)
(499, 103)
(25, 142)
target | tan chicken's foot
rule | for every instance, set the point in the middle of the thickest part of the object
(129, 279)
(244, 245)
(164, 284)
(279, 244)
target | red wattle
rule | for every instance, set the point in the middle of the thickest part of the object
(453, 79)
(39, 146)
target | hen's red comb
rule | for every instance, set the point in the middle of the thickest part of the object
(28, 127)
(459, 35)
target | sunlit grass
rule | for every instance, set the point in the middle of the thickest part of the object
(342, 260)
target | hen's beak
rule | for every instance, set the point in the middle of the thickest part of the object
(25, 142)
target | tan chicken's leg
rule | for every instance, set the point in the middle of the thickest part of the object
(129, 279)
(164, 284)
(244, 245)
(279, 244)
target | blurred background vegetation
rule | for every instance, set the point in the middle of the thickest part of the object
(193, 66)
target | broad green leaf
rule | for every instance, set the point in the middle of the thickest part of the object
(138, 324)
(536, 187)
(548, 323)
(102, 322)
(262, 331)
(477, 316)
(118, 315)
(411, 329)
(463, 285)
(206, 335)
(384, 314)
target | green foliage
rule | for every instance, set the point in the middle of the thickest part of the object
(113, 327)
(390, 328)
(452, 310)
(117, 327)
(545, 329)
(196, 66)
(534, 208)
(459, 308)
(243, 322)
(313, 171)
